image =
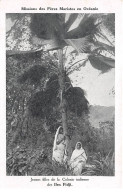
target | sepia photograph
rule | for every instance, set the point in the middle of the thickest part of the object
(60, 94)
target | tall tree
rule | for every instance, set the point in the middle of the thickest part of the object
(56, 31)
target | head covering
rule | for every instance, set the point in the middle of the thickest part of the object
(60, 128)
(78, 160)
(78, 153)
(56, 135)
(77, 144)
(58, 149)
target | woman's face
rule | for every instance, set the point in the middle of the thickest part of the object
(61, 131)
(78, 146)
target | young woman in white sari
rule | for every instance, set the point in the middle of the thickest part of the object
(78, 159)
(59, 148)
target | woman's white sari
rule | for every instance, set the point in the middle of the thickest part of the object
(59, 148)
(78, 160)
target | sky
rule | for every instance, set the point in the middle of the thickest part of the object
(97, 86)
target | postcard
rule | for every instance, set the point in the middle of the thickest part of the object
(61, 89)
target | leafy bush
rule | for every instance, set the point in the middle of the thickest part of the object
(101, 166)
(35, 136)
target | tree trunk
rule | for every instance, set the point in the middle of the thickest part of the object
(62, 97)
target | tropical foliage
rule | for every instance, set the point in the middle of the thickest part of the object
(40, 93)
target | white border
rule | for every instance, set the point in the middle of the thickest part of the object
(104, 6)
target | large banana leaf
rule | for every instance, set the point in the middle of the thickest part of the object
(101, 63)
(50, 31)
(109, 61)
(103, 46)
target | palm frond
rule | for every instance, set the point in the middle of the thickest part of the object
(103, 46)
(49, 31)
(109, 61)
(104, 37)
(48, 44)
(70, 21)
(76, 66)
(82, 45)
(87, 26)
(102, 63)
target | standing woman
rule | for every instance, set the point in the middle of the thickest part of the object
(59, 148)
(78, 159)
